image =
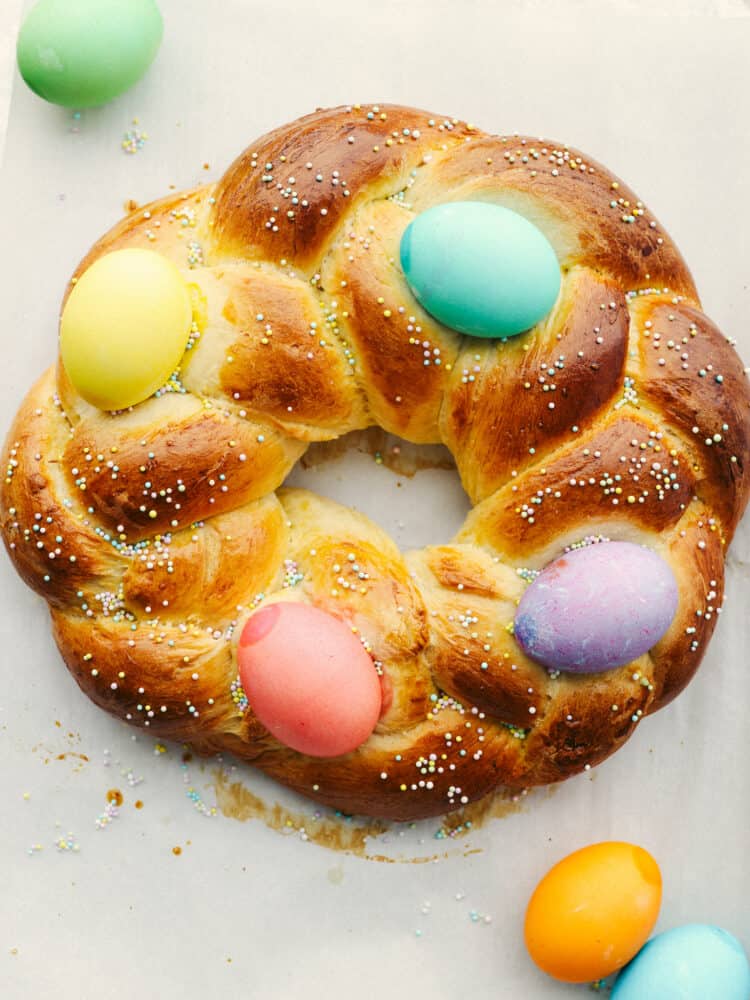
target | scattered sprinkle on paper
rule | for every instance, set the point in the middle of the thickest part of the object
(68, 843)
(134, 139)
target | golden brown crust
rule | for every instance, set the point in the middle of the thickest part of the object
(156, 675)
(591, 217)
(53, 543)
(283, 362)
(236, 554)
(625, 468)
(509, 401)
(688, 371)
(154, 533)
(285, 196)
(156, 477)
(404, 357)
(697, 548)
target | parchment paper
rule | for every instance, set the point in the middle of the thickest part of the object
(244, 910)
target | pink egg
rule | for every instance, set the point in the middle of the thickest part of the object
(308, 679)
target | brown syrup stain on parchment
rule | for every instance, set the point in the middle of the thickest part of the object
(50, 753)
(236, 801)
(349, 836)
(75, 756)
(401, 457)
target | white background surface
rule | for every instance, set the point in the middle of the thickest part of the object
(665, 102)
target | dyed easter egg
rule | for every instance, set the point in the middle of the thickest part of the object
(480, 268)
(695, 962)
(124, 327)
(308, 679)
(593, 911)
(597, 607)
(80, 53)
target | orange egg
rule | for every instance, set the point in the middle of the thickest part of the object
(593, 911)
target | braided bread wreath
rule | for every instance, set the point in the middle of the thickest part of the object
(154, 533)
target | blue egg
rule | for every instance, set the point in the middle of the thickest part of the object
(695, 962)
(480, 268)
(596, 608)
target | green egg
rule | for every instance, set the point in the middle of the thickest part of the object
(81, 53)
(480, 268)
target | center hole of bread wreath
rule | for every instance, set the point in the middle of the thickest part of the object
(411, 491)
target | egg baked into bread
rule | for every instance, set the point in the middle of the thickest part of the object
(604, 450)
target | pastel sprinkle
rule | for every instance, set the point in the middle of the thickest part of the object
(133, 141)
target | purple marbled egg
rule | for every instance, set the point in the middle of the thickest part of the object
(597, 608)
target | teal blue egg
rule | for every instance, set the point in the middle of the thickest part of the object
(695, 962)
(480, 268)
(82, 53)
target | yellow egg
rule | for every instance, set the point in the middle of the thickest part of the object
(124, 328)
